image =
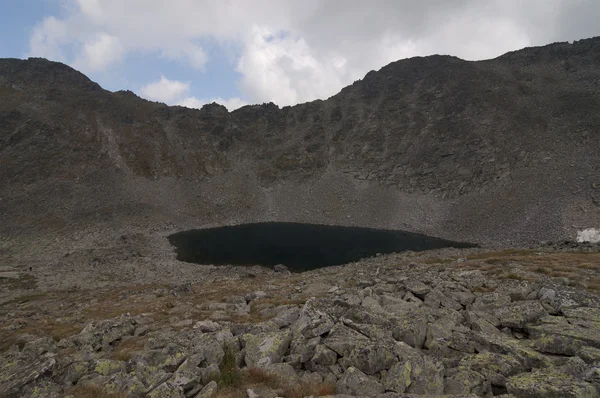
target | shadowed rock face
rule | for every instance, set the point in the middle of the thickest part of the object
(500, 151)
(299, 246)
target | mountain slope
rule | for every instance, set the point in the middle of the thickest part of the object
(502, 151)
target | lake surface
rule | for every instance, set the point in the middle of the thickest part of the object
(300, 247)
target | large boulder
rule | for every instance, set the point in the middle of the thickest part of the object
(411, 328)
(371, 357)
(343, 339)
(14, 375)
(549, 384)
(520, 313)
(266, 348)
(564, 338)
(101, 334)
(354, 382)
(495, 367)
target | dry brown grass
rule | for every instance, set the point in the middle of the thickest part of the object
(594, 267)
(430, 261)
(46, 327)
(502, 254)
(310, 390)
(483, 289)
(65, 352)
(91, 392)
(126, 348)
(580, 268)
(255, 377)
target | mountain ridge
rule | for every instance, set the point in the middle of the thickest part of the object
(497, 152)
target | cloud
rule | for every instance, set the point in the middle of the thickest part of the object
(192, 53)
(174, 92)
(165, 90)
(99, 52)
(47, 39)
(289, 51)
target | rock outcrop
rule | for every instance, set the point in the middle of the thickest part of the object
(454, 331)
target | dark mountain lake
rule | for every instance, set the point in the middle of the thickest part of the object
(300, 247)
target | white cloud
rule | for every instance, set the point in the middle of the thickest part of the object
(165, 90)
(48, 38)
(174, 92)
(290, 51)
(98, 53)
(190, 52)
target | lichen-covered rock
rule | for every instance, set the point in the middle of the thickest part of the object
(312, 322)
(284, 373)
(589, 354)
(209, 348)
(417, 287)
(343, 339)
(14, 375)
(266, 348)
(520, 313)
(427, 374)
(209, 390)
(398, 377)
(371, 357)
(495, 367)
(210, 373)
(107, 367)
(549, 384)
(467, 382)
(491, 339)
(166, 390)
(355, 382)
(286, 317)
(207, 326)
(565, 339)
(324, 356)
(412, 327)
(101, 334)
(304, 348)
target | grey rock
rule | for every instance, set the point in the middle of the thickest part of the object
(281, 268)
(209, 347)
(209, 390)
(266, 348)
(355, 382)
(467, 382)
(286, 317)
(495, 367)
(15, 375)
(372, 358)
(520, 313)
(207, 326)
(210, 373)
(284, 373)
(259, 294)
(417, 288)
(166, 390)
(399, 377)
(342, 339)
(550, 384)
(412, 327)
(312, 322)
(324, 356)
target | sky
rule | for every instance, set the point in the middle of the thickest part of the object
(238, 52)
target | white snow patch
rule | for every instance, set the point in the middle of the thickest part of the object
(591, 235)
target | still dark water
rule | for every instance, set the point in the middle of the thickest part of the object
(300, 247)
